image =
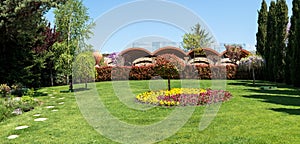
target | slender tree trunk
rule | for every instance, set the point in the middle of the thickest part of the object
(85, 84)
(253, 75)
(68, 81)
(169, 83)
(51, 77)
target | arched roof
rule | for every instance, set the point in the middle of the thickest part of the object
(129, 55)
(136, 49)
(170, 50)
(132, 54)
(208, 52)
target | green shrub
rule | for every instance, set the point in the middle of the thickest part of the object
(30, 92)
(6, 109)
(8, 106)
(27, 103)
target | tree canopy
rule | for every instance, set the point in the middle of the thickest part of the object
(199, 38)
(22, 28)
(74, 24)
(262, 28)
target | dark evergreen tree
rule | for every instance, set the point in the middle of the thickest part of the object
(262, 29)
(21, 26)
(289, 53)
(289, 62)
(294, 44)
(280, 42)
(270, 42)
(45, 53)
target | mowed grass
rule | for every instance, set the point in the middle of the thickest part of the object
(251, 116)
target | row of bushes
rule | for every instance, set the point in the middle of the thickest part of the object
(108, 73)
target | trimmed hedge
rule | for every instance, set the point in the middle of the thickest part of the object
(108, 73)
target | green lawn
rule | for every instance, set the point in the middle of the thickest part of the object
(251, 116)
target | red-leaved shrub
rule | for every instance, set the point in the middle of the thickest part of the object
(107, 73)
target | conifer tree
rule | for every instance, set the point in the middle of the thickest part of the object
(22, 26)
(270, 42)
(294, 46)
(280, 42)
(262, 28)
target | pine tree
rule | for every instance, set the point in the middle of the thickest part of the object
(262, 28)
(270, 42)
(280, 42)
(199, 38)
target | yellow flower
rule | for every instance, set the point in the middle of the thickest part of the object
(203, 91)
(169, 103)
(161, 102)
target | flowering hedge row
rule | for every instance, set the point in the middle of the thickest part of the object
(183, 97)
(108, 73)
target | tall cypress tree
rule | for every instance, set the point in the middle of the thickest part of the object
(262, 28)
(289, 53)
(270, 43)
(280, 42)
(289, 62)
(294, 44)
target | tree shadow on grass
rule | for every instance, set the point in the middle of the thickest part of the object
(281, 100)
(292, 92)
(287, 110)
(259, 84)
(248, 83)
(81, 89)
(37, 94)
(75, 90)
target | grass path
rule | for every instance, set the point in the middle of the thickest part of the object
(251, 116)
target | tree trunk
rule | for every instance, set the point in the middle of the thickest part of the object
(169, 83)
(51, 77)
(253, 75)
(68, 81)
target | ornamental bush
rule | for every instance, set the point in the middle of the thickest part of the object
(4, 90)
(252, 64)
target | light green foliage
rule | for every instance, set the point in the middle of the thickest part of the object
(74, 24)
(27, 100)
(30, 92)
(84, 68)
(199, 38)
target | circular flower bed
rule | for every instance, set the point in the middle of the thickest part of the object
(183, 97)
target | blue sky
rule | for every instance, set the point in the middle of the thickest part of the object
(230, 21)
